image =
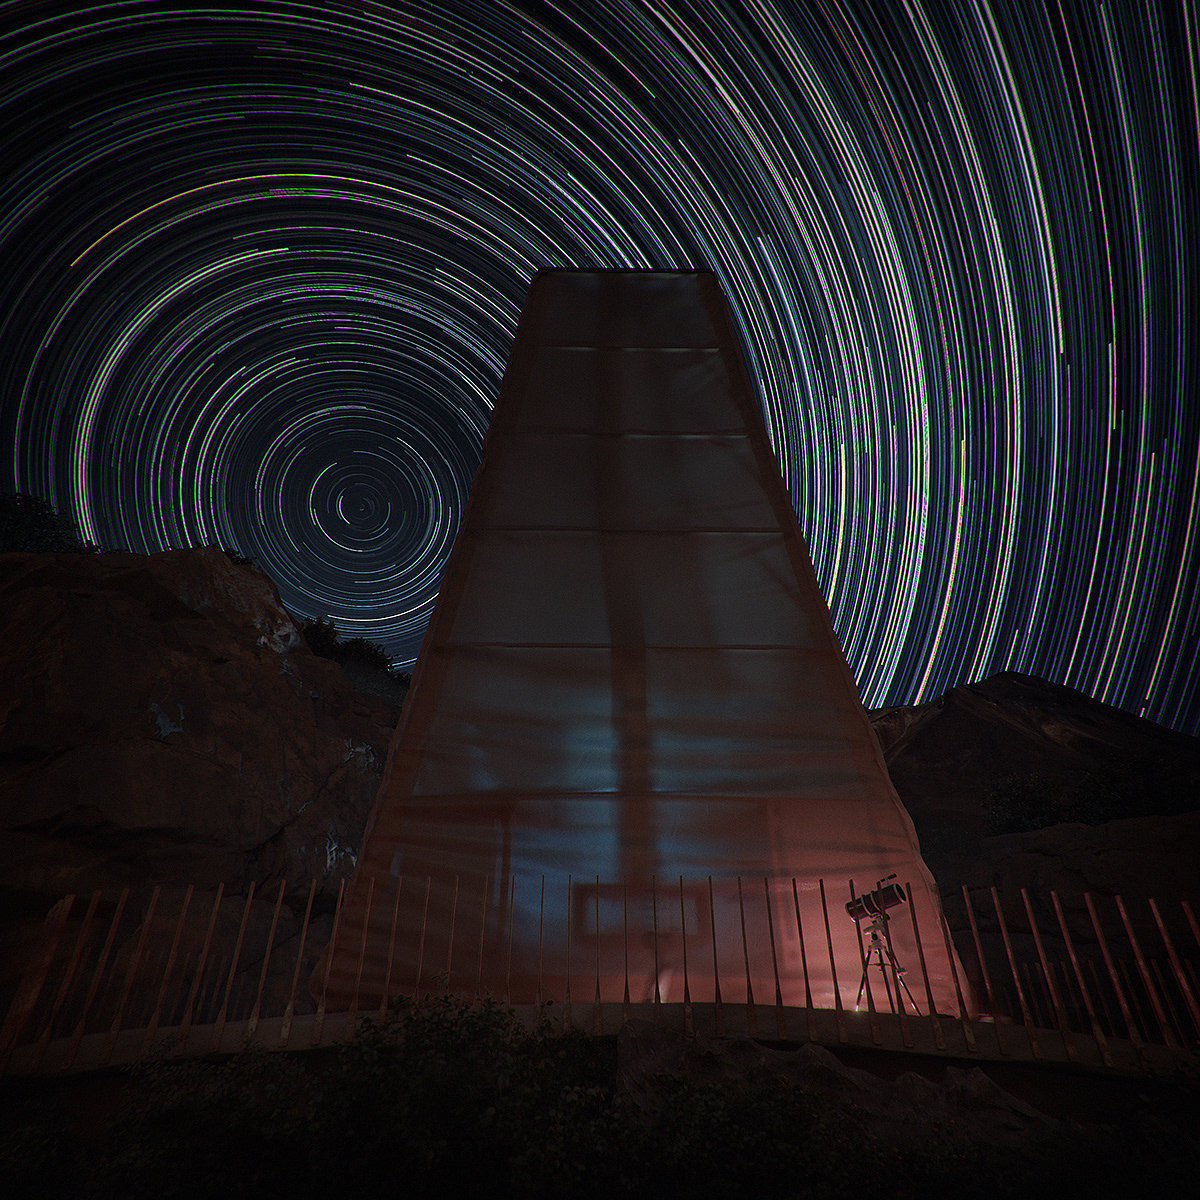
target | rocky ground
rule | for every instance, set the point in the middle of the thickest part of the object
(463, 1102)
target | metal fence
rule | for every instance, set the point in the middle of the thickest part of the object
(1097, 981)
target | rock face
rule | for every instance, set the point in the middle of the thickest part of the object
(1017, 782)
(161, 721)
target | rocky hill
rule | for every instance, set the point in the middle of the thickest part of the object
(162, 721)
(1016, 782)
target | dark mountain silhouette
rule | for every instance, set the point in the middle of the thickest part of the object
(1015, 782)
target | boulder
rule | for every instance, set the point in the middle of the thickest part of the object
(1017, 782)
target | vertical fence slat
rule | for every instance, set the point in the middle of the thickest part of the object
(152, 1028)
(1169, 1003)
(34, 978)
(964, 1016)
(185, 1026)
(134, 963)
(233, 966)
(840, 1016)
(718, 1011)
(1034, 1048)
(774, 959)
(1055, 1000)
(939, 1039)
(625, 936)
(1097, 1032)
(899, 986)
(252, 1026)
(983, 970)
(688, 1026)
(421, 944)
(1191, 920)
(512, 900)
(1115, 979)
(596, 906)
(541, 933)
(654, 942)
(808, 1004)
(67, 979)
(323, 1003)
(450, 939)
(352, 1011)
(567, 981)
(751, 1020)
(487, 885)
(1147, 981)
(1185, 989)
(285, 1030)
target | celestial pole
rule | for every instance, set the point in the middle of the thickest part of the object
(260, 270)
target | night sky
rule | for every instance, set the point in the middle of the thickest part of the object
(260, 274)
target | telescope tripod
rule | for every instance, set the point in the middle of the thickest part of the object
(880, 949)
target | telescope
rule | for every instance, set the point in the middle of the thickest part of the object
(876, 903)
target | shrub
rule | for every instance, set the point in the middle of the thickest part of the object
(321, 635)
(29, 525)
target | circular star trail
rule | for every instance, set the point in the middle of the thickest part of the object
(262, 269)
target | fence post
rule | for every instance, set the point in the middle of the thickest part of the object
(939, 1038)
(751, 1017)
(1059, 1011)
(152, 1028)
(596, 1023)
(185, 1026)
(68, 979)
(541, 935)
(983, 968)
(34, 979)
(808, 1007)
(1034, 1048)
(421, 946)
(689, 1027)
(352, 1014)
(450, 940)
(718, 1011)
(285, 1030)
(840, 1016)
(487, 883)
(654, 928)
(567, 997)
(1097, 1032)
(262, 977)
(1115, 979)
(134, 963)
(319, 1023)
(1147, 982)
(237, 954)
(774, 960)
(1177, 968)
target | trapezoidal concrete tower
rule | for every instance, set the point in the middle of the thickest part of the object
(632, 735)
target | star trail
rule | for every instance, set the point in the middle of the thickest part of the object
(260, 270)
